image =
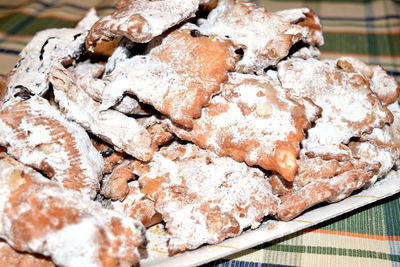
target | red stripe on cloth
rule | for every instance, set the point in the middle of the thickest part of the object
(367, 236)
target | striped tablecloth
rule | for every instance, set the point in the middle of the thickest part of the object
(366, 29)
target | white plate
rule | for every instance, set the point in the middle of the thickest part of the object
(268, 231)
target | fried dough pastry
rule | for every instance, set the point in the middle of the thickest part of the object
(306, 52)
(141, 20)
(395, 109)
(38, 216)
(378, 147)
(137, 206)
(111, 157)
(350, 108)
(87, 76)
(382, 84)
(37, 134)
(321, 190)
(266, 37)
(177, 75)
(306, 18)
(3, 88)
(204, 198)
(48, 47)
(158, 128)
(253, 120)
(115, 186)
(11, 258)
(310, 170)
(110, 125)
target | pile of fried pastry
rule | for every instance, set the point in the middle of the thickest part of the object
(206, 116)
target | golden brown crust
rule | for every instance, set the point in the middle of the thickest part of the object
(382, 84)
(80, 108)
(253, 120)
(137, 205)
(140, 20)
(115, 186)
(321, 190)
(10, 257)
(265, 37)
(39, 215)
(178, 74)
(311, 169)
(350, 108)
(204, 198)
(3, 87)
(37, 134)
(111, 157)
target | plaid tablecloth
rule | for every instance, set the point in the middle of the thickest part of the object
(366, 29)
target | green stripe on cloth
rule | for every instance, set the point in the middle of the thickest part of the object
(344, 23)
(371, 44)
(334, 251)
(392, 215)
(371, 220)
(21, 24)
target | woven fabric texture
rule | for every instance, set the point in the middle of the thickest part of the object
(366, 29)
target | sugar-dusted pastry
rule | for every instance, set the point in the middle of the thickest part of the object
(382, 84)
(158, 128)
(324, 189)
(115, 186)
(378, 147)
(38, 216)
(137, 206)
(38, 135)
(395, 109)
(349, 106)
(178, 74)
(311, 169)
(3, 88)
(306, 52)
(11, 258)
(87, 76)
(141, 20)
(267, 37)
(111, 157)
(254, 120)
(48, 47)
(204, 198)
(112, 126)
(306, 18)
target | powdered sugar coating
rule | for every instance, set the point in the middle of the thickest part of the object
(110, 125)
(382, 84)
(115, 186)
(321, 190)
(37, 134)
(48, 47)
(377, 147)
(38, 216)
(10, 257)
(177, 75)
(204, 198)
(349, 106)
(141, 20)
(254, 120)
(395, 109)
(137, 205)
(87, 76)
(267, 37)
(304, 17)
